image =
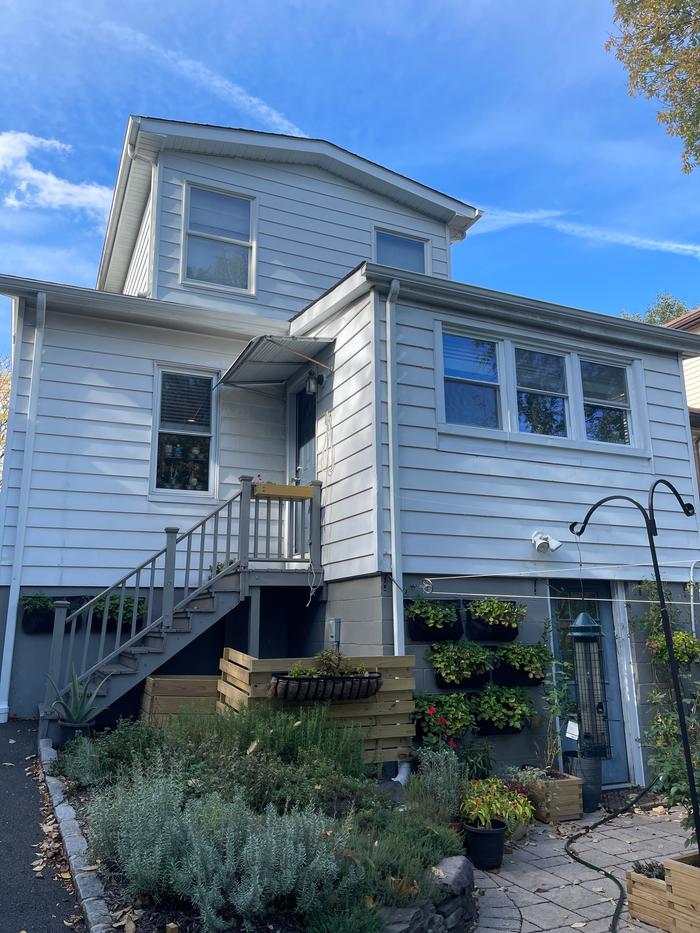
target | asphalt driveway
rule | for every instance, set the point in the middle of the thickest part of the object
(27, 903)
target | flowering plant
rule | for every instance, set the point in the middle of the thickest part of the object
(457, 660)
(497, 612)
(443, 717)
(493, 799)
(686, 647)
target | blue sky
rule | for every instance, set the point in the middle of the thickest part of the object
(514, 107)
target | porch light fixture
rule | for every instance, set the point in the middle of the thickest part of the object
(544, 543)
(652, 530)
(313, 381)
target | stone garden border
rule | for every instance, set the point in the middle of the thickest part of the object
(88, 886)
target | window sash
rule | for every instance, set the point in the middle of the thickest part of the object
(190, 233)
(387, 238)
(191, 470)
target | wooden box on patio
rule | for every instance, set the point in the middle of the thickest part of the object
(558, 798)
(648, 901)
(385, 719)
(683, 887)
(166, 695)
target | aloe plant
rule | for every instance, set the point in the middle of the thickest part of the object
(79, 706)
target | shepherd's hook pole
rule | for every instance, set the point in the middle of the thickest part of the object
(652, 531)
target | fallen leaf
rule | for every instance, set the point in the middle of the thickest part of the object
(577, 926)
(130, 926)
(13, 742)
(8, 764)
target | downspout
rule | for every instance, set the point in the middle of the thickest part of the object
(691, 587)
(394, 490)
(25, 487)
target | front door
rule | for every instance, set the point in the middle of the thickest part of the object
(304, 463)
(566, 605)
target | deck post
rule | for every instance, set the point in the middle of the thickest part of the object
(60, 611)
(315, 525)
(254, 622)
(169, 578)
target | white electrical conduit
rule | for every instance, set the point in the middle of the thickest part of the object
(394, 491)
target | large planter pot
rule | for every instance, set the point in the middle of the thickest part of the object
(419, 630)
(683, 891)
(37, 621)
(312, 689)
(71, 730)
(485, 846)
(648, 901)
(590, 772)
(488, 728)
(478, 630)
(557, 798)
(467, 683)
(505, 675)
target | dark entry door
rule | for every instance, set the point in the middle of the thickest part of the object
(567, 603)
(305, 462)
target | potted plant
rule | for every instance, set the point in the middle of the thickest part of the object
(76, 712)
(433, 620)
(98, 609)
(491, 808)
(518, 665)
(460, 664)
(502, 710)
(686, 647)
(37, 614)
(442, 718)
(493, 619)
(330, 677)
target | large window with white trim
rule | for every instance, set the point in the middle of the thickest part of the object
(185, 432)
(472, 390)
(218, 241)
(606, 403)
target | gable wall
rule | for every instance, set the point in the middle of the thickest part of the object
(312, 228)
(138, 277)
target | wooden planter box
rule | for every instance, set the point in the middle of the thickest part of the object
(558, 800)
(385, 719)
(165, 696)
(672, 905)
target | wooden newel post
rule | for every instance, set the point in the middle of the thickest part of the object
(315, 529)
(60, 611)
(169, 577)
(244, 521)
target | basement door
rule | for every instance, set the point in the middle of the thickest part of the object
(566, 605)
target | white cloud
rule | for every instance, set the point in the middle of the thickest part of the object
(199, 73)
(496, 219)
(33, 187)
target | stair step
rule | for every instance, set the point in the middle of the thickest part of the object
(113, 669)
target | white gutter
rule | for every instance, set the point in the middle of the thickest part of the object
(394, 487)
(18, 551)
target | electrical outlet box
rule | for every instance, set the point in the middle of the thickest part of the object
(333, 631)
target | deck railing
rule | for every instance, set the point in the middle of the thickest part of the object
(262, 524)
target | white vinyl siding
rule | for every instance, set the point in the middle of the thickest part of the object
(312, 229)
(691, 370)
(138, 277)
(90, 518)
(470, 502)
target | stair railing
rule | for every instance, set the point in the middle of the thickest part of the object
(284, 526)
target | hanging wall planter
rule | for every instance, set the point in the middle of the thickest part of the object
(37, 614)
(519, 665)
(460, 664)
(310, 689)
(433, 620)
(501, 711)
(493, 620)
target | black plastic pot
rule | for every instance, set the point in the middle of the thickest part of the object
(488, 728)
(505, 675)
(419, 630)
(467, 683)
(590, 771)
(485, 844)
(338, 687)
(478, 630)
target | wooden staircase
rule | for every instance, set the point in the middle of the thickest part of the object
(266, 534)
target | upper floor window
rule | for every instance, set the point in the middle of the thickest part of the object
(472, 394)
(185, 432)
(606, 403)
(541, 390)
(401, 252)
(218, 243)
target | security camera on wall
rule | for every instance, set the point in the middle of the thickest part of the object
(544, 543)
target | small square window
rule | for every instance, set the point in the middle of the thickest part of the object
(400, 252)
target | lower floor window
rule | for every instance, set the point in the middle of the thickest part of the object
(184, 444)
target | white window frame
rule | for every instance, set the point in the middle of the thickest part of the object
(590, 358)
(180, 495)
(252, 245)
(524, 345)
(640, 440)
(427, 244)
(500, 383)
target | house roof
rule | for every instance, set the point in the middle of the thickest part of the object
(146, 137)
(689, 321)
(493, 306)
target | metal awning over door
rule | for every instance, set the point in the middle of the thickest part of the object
(270, 361)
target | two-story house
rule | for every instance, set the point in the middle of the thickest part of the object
(268, 308)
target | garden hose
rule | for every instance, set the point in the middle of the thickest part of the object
(603, 871)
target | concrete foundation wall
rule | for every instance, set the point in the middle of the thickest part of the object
(364, 606)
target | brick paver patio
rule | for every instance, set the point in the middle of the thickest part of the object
(540, 888)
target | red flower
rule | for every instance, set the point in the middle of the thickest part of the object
(442, 721)
(452, 743)
(431, 710)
